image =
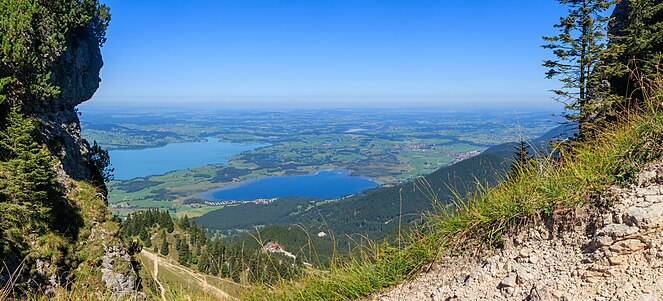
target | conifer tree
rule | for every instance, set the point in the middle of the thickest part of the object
(164, 248)
(168, 221)
(178, 243)
(28, 189)
(184, 222)
(100, 161)
(184, 253)
(522, 156)
(27, 175)
(636, 45)
(578, 48)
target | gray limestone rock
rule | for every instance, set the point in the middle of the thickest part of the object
(646, 218)
(117, 272)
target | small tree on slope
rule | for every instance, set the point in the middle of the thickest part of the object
(578, 47)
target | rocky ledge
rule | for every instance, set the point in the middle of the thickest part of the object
(76, 73)
(593, 254)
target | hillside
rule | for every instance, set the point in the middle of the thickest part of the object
(582, 218)
(56, 232)
(586, 218)
(581, 223)
(172, 280)
(375, 212)
(590, 253)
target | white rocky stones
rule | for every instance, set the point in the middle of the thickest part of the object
(511, 280)
(613, 254)
(627, 246)
(646, 177)
(645, 217)
(617, 231)
(117, 272)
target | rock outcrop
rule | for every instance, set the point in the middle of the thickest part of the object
(619, 18)
(77, 75)
(593, 254)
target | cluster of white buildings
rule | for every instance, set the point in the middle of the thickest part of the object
(236, 202)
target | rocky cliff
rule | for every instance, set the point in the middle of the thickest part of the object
(90, 253)
(619, 18)
(76, 73)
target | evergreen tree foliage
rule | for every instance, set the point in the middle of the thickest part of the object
(33, 35)
(145, 237)
(521, 158)
(28, 190)
(164, 246)
(184, 253)
(633, 58)
(178, 243)
(145, 220)
(578, 48)
(184, 222)
(100, 161)
(522, 152)
(238, 259)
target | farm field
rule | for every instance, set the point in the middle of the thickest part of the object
(387, 146)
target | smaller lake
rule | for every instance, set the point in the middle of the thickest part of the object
(131, 164)
(327, 183)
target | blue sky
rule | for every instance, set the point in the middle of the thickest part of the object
(322, 52)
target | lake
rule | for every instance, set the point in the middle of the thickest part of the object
(326, 183)
(131, 164)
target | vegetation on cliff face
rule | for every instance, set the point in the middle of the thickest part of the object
(578, 48)
(630, 62)
(49, 225)
(28, 190)
(33, 36)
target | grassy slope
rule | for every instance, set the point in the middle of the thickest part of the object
(182, 282)
(539, 189)
(542, 188)
(99, 229)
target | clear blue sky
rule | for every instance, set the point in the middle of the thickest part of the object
(314, 52)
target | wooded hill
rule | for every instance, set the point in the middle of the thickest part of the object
(376, 212)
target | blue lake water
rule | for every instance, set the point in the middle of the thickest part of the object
(130, 164)
(325, 183)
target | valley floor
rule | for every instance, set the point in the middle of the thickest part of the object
(589, 254)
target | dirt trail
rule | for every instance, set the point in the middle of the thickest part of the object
(155, 272)
(200, 279)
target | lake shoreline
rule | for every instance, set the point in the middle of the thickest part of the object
(131, 164)
(328, 175)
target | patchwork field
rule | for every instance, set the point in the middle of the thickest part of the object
(388, 146)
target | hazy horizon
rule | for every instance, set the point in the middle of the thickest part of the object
(251, 103)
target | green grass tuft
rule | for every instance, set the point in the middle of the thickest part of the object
(545, 187)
